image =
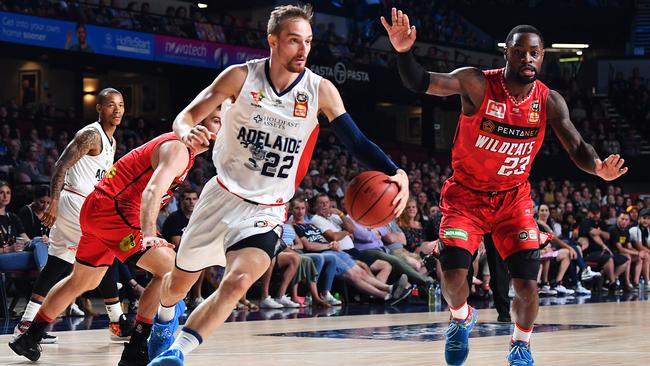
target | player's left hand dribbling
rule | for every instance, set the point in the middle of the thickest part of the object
(155, 242)
(402, 181)
(610, 168)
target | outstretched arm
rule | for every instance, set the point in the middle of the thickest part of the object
(468, 82)
(582, 153)
(168, 162)
(364, 150)
(84, 142)
(227, 85)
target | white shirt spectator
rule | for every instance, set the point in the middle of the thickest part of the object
(334, 223)
(635, 235)
(557, 229)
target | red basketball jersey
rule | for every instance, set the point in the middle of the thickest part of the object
(494, 148)
(127, 178)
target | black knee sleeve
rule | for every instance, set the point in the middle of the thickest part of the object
(454, 258)
(108, 287)
(55, 269)
(524, 264)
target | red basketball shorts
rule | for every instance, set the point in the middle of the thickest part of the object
(467, 215)
(104, 233)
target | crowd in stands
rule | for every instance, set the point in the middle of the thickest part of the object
(182, 21)
(631, 97)
(591, 116)
(436, 23)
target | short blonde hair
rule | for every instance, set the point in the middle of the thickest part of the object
(285, 12)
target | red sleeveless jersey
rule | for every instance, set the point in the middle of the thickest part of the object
(125, 181)
(494, 148)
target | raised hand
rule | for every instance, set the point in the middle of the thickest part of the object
(611, 168)
(400, 32)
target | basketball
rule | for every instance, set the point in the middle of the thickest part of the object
(369, 199)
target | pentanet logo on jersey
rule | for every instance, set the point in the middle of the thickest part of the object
(506, 130)
(495, 109)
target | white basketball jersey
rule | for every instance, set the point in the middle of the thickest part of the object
(89, 170)
(266, 140)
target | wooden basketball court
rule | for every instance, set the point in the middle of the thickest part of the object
(585, 334)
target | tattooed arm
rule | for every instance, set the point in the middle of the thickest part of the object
(85, 142)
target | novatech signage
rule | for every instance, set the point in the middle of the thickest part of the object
(201, 53)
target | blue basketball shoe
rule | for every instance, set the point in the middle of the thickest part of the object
(457, 339)
(171, 357)
(520, 354)
(162, 335)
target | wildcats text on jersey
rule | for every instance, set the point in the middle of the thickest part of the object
(504, 147)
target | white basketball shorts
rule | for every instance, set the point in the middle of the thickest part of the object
(66, 232)
(219, 220)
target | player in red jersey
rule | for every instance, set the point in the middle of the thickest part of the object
(502, 125)
(118, 219)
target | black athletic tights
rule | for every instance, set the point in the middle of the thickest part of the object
(56, 269)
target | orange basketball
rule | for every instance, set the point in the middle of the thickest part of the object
(369, 199)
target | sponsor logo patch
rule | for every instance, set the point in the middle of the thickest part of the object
(523, 235)
(257, 97)
(111, 172)
(127, 243)
(495, 109)
(300, 106)
(533, 114)
(532, 234)
(454, 234)
(510, 131)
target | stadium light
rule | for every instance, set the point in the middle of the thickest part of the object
(570, 45)
(202, 5)
(501, 44)
(579, 53)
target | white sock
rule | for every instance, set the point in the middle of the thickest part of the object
(114, 311)
(187, 341)
(460, 313)
(30, 311)
(389, 294)
(521, 334)
(166, 314)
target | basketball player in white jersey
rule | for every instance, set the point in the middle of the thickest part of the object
(269, 129)
(82, 164)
